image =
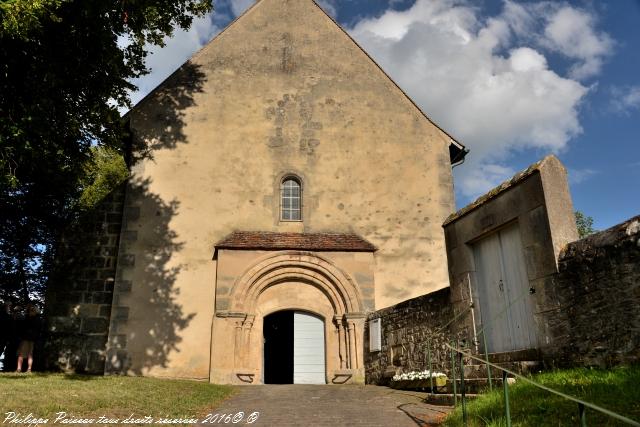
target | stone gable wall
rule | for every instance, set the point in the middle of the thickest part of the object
(281, 92)
(80, 292)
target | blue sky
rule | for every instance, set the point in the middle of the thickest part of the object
(512, 80)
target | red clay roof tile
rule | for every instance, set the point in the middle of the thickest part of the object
(261, 240)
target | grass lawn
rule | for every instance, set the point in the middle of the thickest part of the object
(617, 390)
(44, 395)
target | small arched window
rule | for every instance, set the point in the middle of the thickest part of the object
(291, 199)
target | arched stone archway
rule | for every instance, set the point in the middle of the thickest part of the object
(288, 280)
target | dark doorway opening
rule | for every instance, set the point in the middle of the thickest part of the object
(278, 348)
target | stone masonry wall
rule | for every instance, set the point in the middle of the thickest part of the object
(406, 329)
(596, 318)
(538, 202)
(80, 292)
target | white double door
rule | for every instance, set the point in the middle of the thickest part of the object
(503, 291)
(308, 349)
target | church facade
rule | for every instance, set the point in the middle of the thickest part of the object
(282, 188)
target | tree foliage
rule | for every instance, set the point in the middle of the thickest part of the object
(103, 172)
(584, 224)
(65, 69)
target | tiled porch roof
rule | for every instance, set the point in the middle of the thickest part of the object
(262, 240)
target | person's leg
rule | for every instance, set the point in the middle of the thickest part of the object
(19, 367)
(30, 347)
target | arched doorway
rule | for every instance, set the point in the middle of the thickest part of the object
(294, 348)
(308, 287)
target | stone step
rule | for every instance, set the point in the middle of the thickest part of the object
(446, 399)
(473, 385)
(523, 367)
(513, 356)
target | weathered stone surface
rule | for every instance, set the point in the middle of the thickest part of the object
(538, 203)
(122, 313)
(597, 318)
(92, 325)
(293, 96)
(124, 286)
(80, 291)
(407, 329)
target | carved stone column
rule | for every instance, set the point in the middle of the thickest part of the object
(355, 328)
(341, 341)
(353, 352)
(247, 325)
(237, 343)
(238, 319)
(347, 342)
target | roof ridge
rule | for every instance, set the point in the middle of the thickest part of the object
(499, 189)
(388, 76)
(195, 55)
(252, 7)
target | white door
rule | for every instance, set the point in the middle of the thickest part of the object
(308, 349)
(503, 292)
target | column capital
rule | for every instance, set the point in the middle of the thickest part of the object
(355, 316)
(231, 314)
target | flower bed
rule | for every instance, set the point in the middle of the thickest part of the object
(418, 379)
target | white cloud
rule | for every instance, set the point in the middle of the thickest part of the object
(441, 13)
(329, 6)
(571, 32)
(625, 99)
(577, 176)
(487, 80)
(239, 6)
(483, 177)
(563, 29)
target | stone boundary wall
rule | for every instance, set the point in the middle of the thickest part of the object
(596, 318)
(406, 328)
(584, 294)
(592, 316)
(80, 291)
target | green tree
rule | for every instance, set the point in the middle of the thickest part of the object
(584, 224)
(103, 172)
(65, 70)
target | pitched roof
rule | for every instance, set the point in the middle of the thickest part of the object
(457, 150)
(261, 240)
(456, 146)
(520, 176)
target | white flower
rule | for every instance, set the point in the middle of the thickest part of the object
(417, 375)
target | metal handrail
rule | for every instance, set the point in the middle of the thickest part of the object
(581, 403)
